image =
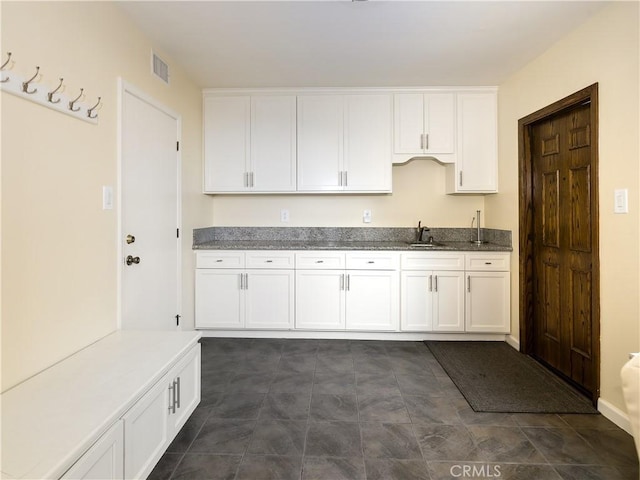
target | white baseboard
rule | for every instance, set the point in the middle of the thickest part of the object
(614, 414)
(512, 341)
(353, 335)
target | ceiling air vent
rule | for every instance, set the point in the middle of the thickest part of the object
(160, 68)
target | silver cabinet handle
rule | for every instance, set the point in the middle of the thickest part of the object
(371, 261)
(319, 261)
(219, 260)
(468, 283)
(426, 141)
(348, 282)
(422, 141)
(172, 398)
(179, 391)
(431, 283)
(346, 178)
(241, 281)
(268, 261)
(460, 177)
(435, 289)
(246, 281)
(253, 183)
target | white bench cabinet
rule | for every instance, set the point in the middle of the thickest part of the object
(103, 412)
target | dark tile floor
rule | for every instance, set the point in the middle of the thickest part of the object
(338, 409)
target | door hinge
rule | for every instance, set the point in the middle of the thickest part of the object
(178, 320)
(177, 233)
(177, 146)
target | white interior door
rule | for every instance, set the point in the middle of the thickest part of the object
(150, 213)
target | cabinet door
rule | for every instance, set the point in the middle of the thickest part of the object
(320, 299)
(487, 298)
(448, 301)
(146, 431)
(368, 155)
(320, 142)
(416, 305)
(408, 125)
(269, 299)
(439, 123)
(226, 143)
(219, 299)
(477, 160)
(104, 460)
(372, 300)
(273, 143)
(185, 379)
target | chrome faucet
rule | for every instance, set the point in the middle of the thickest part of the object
(478, 240)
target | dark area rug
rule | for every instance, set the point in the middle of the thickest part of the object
(494, 377)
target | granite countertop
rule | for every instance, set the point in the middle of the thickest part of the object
(383, 239)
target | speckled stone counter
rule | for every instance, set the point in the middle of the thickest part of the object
(346, 238)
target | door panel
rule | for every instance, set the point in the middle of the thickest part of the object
(219, 299)
(150, 213)
(320, 299)
(269, 299)
(563, 194)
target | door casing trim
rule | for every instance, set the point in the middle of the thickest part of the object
(526, 224)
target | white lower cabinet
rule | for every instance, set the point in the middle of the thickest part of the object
(487, 301)
(432, 292)
(353, 299)
(238, 298)
(432, 301)
(372, 300)
(320, 299)
(104, 460)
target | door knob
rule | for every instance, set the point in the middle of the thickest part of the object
(131, 260)
(130, 239)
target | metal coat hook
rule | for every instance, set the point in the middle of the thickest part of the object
(25, 85)
(90, 111)
(72, 102)
(51, 94)
(4, 65)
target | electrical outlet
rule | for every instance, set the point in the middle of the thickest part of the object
(284, 215)
(366, 216)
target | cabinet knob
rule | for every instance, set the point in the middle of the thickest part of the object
(371, 261)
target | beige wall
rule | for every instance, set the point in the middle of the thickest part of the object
(59, 248)
(603, 50)
(418, 194)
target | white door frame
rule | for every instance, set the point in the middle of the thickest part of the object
(125, 87)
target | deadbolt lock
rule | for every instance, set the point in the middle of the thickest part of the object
(130, 239)
(131, 260)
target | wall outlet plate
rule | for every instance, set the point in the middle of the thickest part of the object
(284, 215)
(366, 216)
(621, 200)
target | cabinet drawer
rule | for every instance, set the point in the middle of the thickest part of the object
(432, 261)
(320, 260)
(220, 259)
(372, 261)
(270, 259)
(498, 262)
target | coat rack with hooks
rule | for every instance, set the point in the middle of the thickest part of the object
(52, 97)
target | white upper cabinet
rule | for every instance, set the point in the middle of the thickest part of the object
(476, 167)
(344, 143)
(320, 142)
(226, 143)
(367, 161)
(249, 143)
(424, 124)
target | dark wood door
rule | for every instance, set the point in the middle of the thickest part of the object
(564, 188)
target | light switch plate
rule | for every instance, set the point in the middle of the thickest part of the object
(366, 216)
(107, 197)
(621, 200)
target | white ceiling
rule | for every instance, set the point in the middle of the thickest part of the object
(344, 43)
